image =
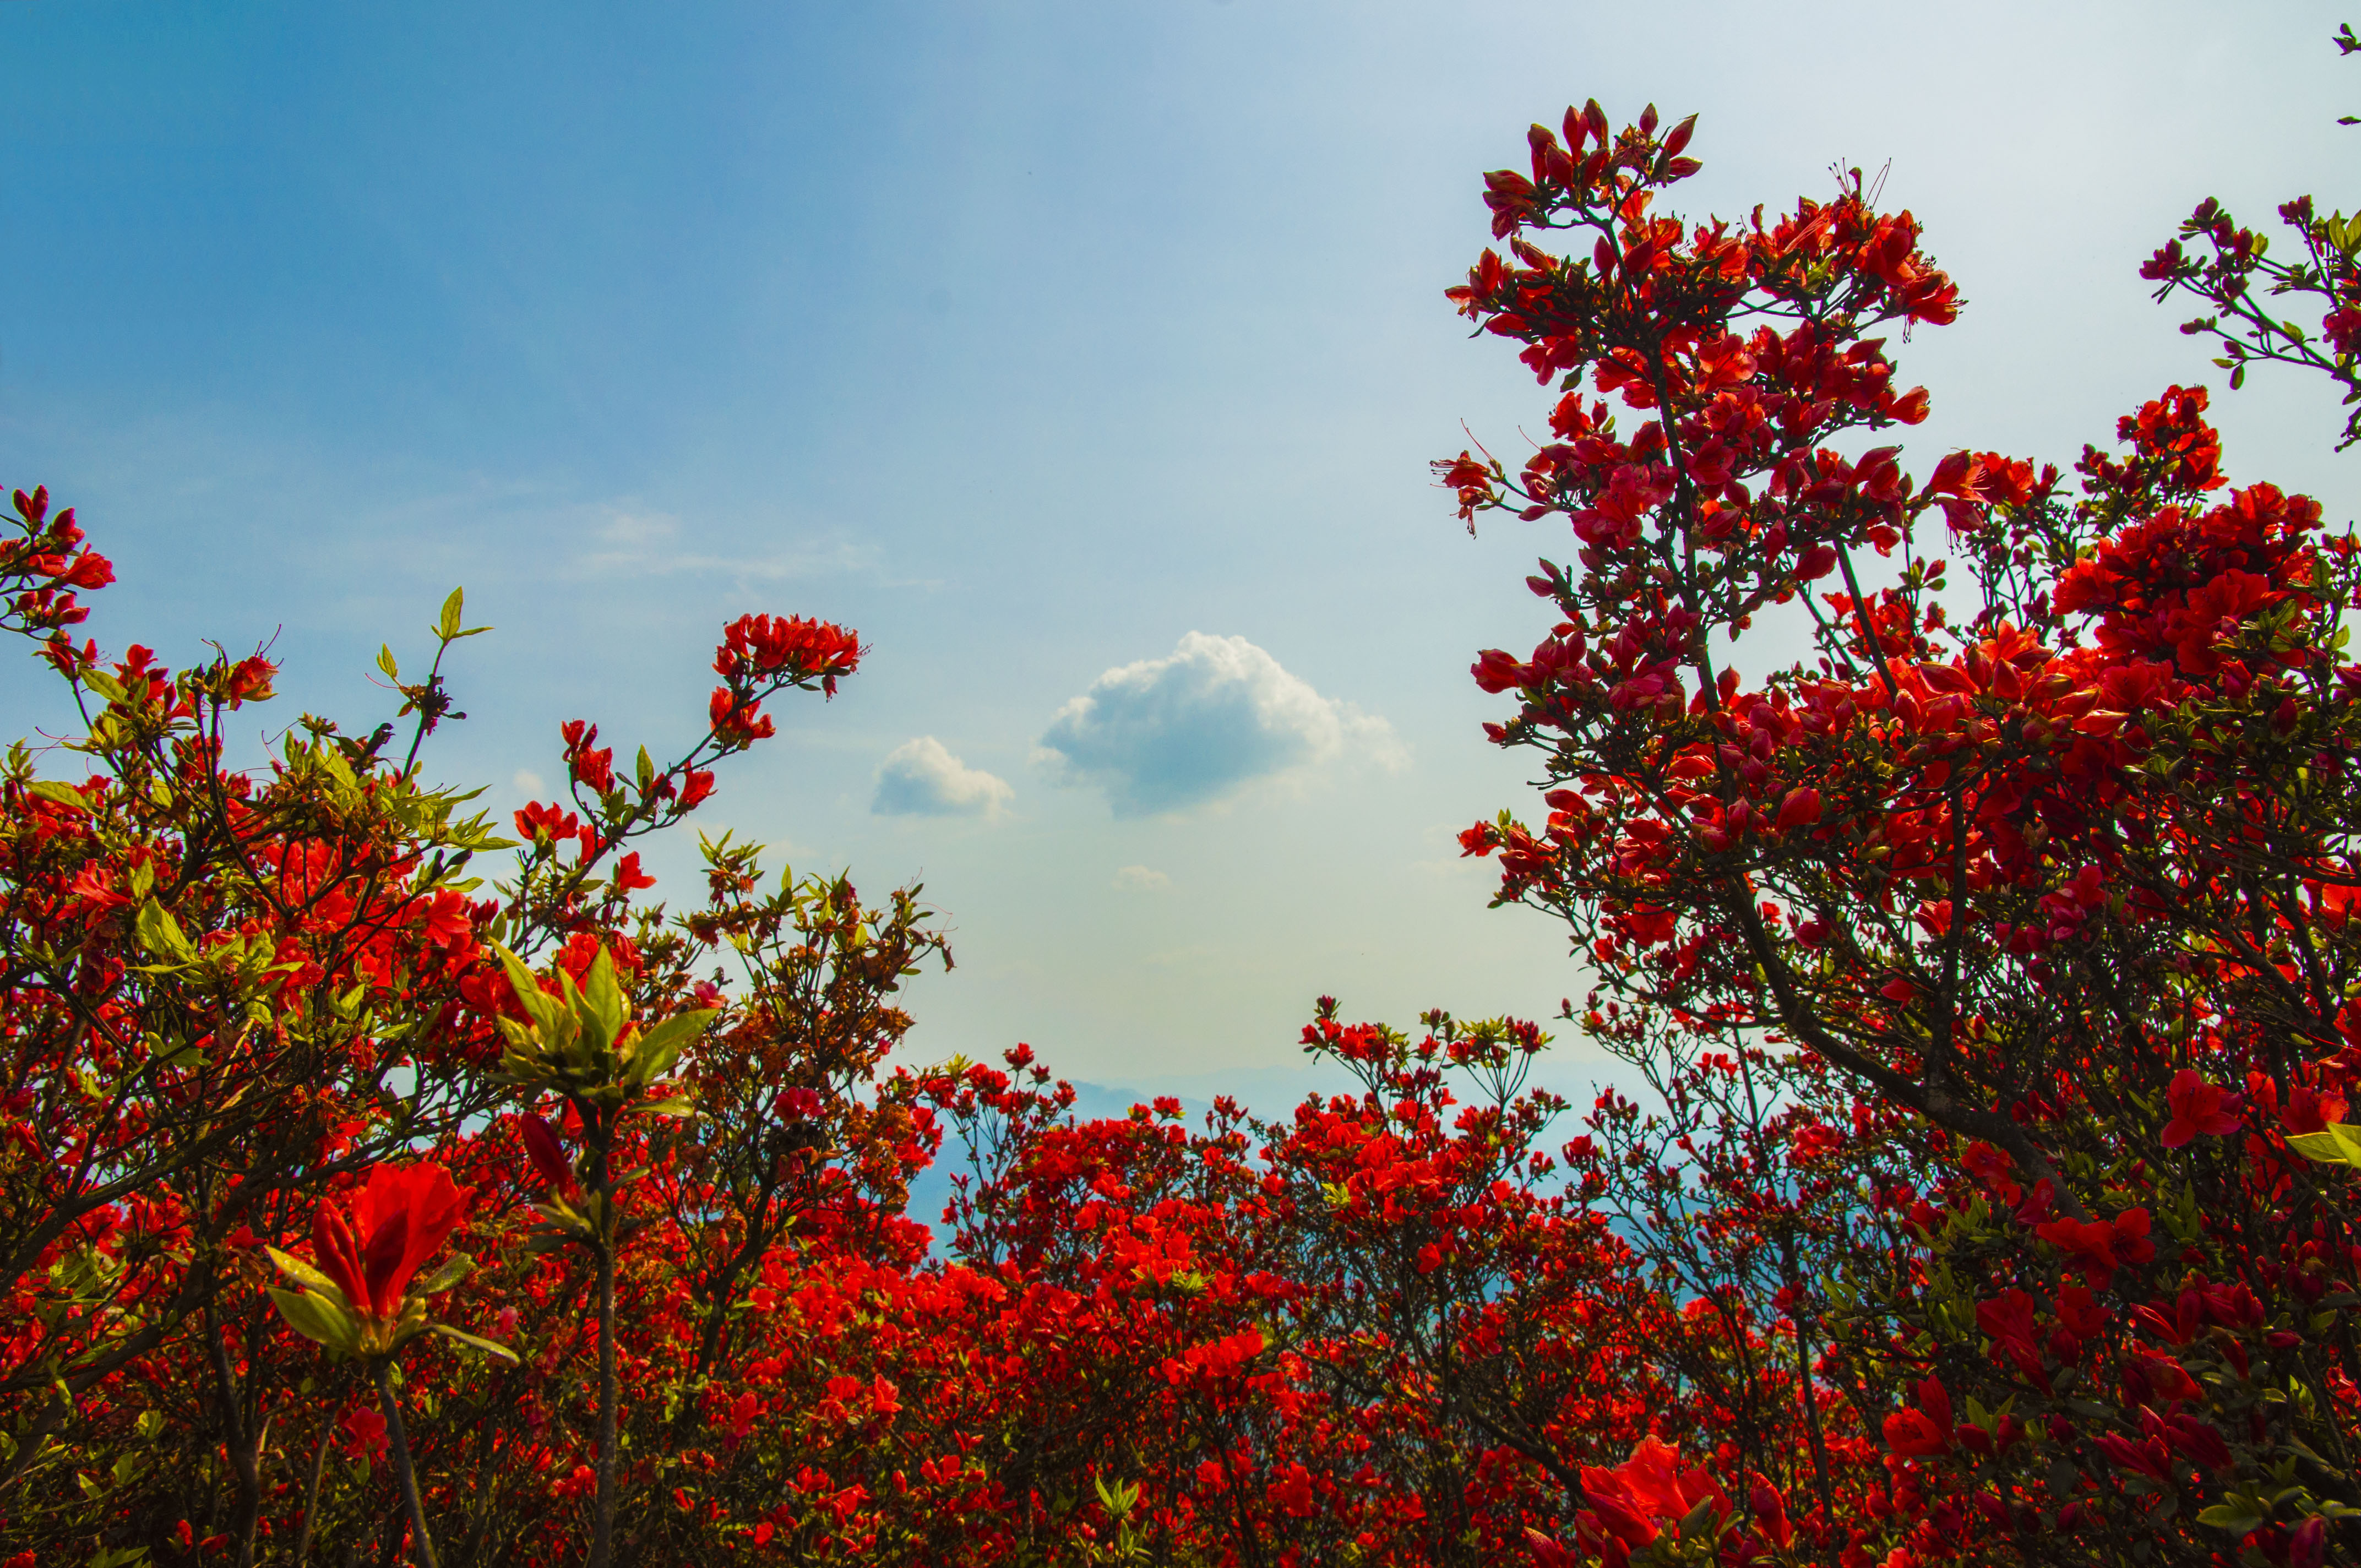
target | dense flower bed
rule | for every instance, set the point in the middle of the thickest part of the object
(1994, 966)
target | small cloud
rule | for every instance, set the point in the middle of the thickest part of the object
(527, 782)
(1214, 715)
(640, 531)
(919, 778)
(647, 545)
(1141, 879)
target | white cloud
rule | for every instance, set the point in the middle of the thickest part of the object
(527, 782)
(1142, 879)
(647, 545)
(920, 778)
(1214, 715)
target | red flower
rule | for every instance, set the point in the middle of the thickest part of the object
(398, 1218)
(2008, 1322)
(1651, 1474)
(1547, 1552)
(1801, 808)
(547, 823)
(2200, 1107)
(2198, 1441)
(594, 769)
(1770, 1510)
(1987, 1164)
(1911, 1434)
(249, 681)
(2167, 1379)
(2151, 1458)
(95, 886)
(738, 721)
(2311, 1110)
(363, 1433)
(548, 1156)
(2099, 1247)
(1621, 1514)
(1654, 1477)
(2078, 1311)
(1925, 1432)
(1292, 1492)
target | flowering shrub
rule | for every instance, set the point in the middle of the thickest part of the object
(2021, 905)
(1992, 972)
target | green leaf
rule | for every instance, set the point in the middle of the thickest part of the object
(385, 662)
(661, 1045)
(454, 1270)
(482, 1346)
(2238, 1518)
(1117, 1500)
(104, 685)
(306, 1276)
(161, 934)
(602, 1000)
(2338, 1144)
(538, 1004)
(60, 792)
(449, 629)
(314, 1317)
(331, 761)
(679, 1105)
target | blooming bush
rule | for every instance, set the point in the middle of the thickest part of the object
(2018, 908)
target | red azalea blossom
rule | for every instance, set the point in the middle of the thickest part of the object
(363, 1433)
(400, 1217)
(2311, 1110)
(2099, 1247)
(548, 1156)
(1922, 1431)
(2199, 1107)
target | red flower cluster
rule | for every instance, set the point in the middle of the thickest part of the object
(42, 568)
(790, 648)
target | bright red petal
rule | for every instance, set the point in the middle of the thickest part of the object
(430, 1206)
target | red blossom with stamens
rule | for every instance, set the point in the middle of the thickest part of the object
(764, 647)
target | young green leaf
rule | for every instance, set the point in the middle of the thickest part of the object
(481, 1347)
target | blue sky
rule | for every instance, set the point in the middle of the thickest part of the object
(1085, 356)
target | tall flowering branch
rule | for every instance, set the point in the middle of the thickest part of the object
(759, 657)
(578, 1041)
(361, 1297)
